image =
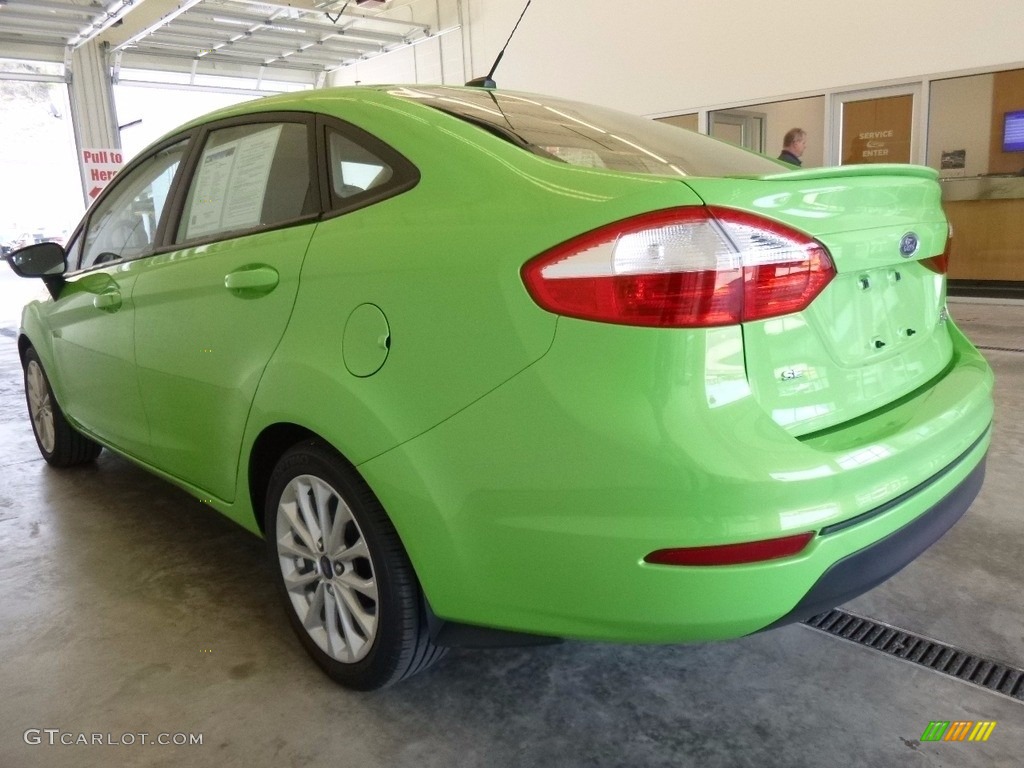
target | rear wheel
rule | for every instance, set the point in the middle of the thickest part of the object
(351, 593)
(59, 443)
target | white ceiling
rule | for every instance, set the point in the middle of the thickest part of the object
(282, 39)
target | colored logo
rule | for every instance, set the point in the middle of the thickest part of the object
(958, 730)
(909, 244)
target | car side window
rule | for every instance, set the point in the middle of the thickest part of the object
(73, 251)
(354, 169)
(124, 224)
(249, 177)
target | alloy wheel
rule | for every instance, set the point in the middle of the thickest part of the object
(40, 406)
(327, 570)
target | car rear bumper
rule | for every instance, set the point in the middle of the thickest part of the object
(865, 569)
(533, 509)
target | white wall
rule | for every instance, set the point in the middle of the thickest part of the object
(663, 56)
(437, 60)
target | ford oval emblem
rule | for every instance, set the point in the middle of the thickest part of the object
(909, 244)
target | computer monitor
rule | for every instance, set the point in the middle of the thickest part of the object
(1013, 131)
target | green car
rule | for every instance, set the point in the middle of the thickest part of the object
(491, 368)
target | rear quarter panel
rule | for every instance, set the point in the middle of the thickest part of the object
(441, 262)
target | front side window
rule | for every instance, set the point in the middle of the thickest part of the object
(249, 177)
(124, 224)
(73, 251)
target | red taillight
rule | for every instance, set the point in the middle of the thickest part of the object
(940, 263)
(681, 268)
(733, 554)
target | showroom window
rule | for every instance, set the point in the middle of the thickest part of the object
(967, 121)
(150, 104)
(124, 225)
(144, 114)
(41, 194)
(972, 144)
(761, 127)
(249, 177)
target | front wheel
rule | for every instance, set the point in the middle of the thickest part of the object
(351, 593)
(59, 443)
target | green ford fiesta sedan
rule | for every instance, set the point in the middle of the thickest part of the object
(492, 368)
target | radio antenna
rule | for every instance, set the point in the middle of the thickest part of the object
(487, 81)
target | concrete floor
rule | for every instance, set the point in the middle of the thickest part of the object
(126, 607)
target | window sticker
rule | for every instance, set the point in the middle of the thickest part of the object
(231, 183)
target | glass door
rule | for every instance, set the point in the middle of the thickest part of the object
(740, 127)
(876, 126)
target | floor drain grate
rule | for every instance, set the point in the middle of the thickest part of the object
(1000, 349)
(939, 657)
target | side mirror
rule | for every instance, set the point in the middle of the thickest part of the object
(38, 260)
(45, 260)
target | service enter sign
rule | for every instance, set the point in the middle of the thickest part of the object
(98, 168)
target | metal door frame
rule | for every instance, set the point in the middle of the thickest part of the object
(752, 124)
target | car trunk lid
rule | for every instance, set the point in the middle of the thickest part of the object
(877, 331)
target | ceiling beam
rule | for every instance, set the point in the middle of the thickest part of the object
(321, 7)
(284, 32)
(50, 41)
(103, 20)
(326, 33)
(30, 6)
(149, 16)
(307, 24)
(250, 44)
(58, 27)
(144, 50)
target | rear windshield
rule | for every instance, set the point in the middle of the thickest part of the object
(591, 136)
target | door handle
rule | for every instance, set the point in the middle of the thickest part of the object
(256, 279)
(108, 301)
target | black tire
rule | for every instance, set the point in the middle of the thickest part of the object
(59, 443)
(364, 637)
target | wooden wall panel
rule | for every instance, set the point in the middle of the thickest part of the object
(1007, 95)
(988, 239)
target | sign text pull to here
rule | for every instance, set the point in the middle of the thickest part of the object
(99, 166)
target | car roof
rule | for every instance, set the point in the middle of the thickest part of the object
(320, 100)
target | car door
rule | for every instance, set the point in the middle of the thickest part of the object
(92, 320)
(211, 309)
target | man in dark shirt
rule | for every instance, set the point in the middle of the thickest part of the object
(793, 146)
